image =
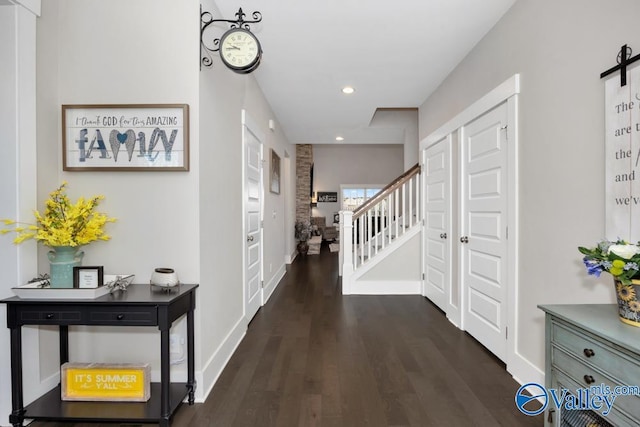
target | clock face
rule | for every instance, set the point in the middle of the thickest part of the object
(240, 50)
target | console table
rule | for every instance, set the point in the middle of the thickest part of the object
(587, 345)
(139, 305)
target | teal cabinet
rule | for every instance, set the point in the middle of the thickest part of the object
(588, 351)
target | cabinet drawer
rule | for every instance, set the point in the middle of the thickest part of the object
(619, 365)
(56, 315)
(577, 370)
(560, 381)
(131, 316)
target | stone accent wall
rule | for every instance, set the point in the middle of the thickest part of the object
(304, 160)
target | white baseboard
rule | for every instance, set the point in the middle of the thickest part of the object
(45, 385)
(213, 367)
(270, 287)
(288, 259)
(523, 371)
(453, 322)
(383, 287)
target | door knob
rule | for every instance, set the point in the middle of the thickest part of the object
(443, 235)
(464, 239)
(249, 238)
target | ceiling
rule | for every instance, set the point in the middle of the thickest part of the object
(394, 53)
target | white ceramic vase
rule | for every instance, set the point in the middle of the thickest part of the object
(164, 277)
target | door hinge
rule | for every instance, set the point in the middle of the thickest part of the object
(507, 233)
(506, 333)
(422, 276)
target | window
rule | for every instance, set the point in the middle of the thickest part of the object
(355, 195)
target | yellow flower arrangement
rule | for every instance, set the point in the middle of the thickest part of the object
(63, 223)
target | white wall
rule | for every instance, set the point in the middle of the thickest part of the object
(190, 221)
(223, 95)
(352, 164)
(123, 52)
(18, 178)
(277, 232)
(559, 48)
(405, 119)
(402, 265)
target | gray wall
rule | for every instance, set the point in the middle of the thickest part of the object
(79, 64)
(187, 220)
(559, 47)
(352, 164)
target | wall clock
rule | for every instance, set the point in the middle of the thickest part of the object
(240, 50)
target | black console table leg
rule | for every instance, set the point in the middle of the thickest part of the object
(165, 379)
(17, 415)
(64, 344)
(191, 378)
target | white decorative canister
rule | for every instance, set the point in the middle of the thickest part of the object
(164, 277)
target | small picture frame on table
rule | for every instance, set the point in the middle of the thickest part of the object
(88, 277)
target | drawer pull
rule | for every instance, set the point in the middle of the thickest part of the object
(589, 379)
(120, 316)
(49, 316)
(589, 352)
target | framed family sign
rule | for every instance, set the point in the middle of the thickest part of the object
(130, 137)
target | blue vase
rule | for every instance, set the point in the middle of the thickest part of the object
(62, 259)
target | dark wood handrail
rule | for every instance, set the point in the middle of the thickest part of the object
(406, 176)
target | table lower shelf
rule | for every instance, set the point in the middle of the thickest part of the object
(51, 407)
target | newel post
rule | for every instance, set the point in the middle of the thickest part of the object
(346, 250)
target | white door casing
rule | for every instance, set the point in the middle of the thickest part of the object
(252, 216)
(437, 214)
(505, 93)
(484, 254)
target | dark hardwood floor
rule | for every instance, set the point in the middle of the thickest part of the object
(313, 357)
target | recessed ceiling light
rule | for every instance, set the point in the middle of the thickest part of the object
(339, 138)
(348, 90)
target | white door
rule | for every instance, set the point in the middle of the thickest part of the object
(437, 214)
(252, 143)
(483, 241)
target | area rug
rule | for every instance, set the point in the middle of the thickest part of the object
(334, 247)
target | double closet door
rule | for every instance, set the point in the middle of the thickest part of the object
(466, 227)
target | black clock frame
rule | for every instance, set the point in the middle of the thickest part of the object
(206, 19)
(246, 68)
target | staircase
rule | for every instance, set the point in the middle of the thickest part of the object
(378, 228)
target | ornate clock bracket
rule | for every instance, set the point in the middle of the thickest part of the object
(206, 19)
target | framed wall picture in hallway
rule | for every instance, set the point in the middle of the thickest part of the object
(131, 137)
(274, 173)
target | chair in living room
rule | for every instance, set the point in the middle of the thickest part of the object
(327, 232)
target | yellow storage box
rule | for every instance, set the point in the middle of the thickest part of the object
(119, 382)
